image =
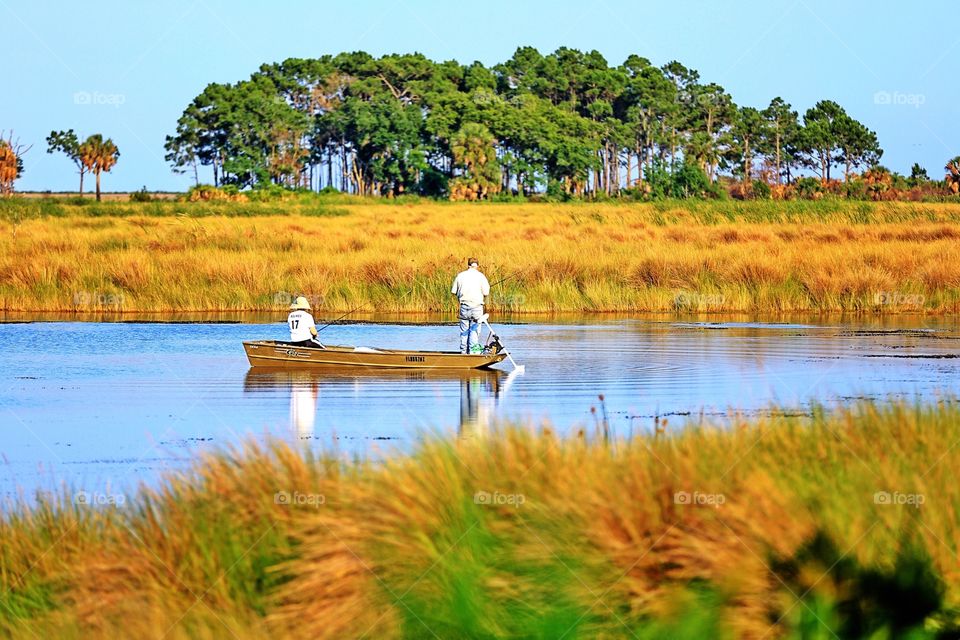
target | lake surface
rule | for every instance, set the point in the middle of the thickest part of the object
(103, 406)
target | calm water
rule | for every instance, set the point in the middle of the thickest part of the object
(106, 405)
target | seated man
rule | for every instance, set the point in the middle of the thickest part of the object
(303, 330)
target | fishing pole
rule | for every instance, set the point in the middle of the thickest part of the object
(509, 277)
(355, 309)
(336, 320)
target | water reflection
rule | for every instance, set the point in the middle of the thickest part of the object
(480, 391)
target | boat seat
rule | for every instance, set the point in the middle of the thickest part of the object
(366, 350)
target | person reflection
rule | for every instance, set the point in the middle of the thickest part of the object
(479, 394)
(304, 391)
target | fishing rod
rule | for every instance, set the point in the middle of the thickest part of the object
(336, 320)
(355, 309)
(509, 277)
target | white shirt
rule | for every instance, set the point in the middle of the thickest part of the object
(300, 323)
(471, 286)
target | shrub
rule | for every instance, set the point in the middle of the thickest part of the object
(208, 193)
(141, 196)
(809, 188)
(761, 190)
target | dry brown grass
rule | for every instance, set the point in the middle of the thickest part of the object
(595, 541)
(710, 257)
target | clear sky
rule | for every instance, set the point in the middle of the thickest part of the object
(127, 69)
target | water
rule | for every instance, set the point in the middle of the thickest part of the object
(104, 406)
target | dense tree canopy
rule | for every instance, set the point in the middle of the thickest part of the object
(567, 122)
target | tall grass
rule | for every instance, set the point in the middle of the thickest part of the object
(347, 253)
(846, 525)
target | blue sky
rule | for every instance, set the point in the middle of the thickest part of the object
(127, 69)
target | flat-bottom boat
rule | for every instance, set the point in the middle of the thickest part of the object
(273, 353)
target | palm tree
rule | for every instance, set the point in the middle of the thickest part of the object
(11, 162)
(98, 155)
(473, 151)
(953, 175)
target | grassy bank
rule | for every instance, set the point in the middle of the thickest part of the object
(344, 253)
(846, 526)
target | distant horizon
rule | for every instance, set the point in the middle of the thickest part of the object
(888, 68)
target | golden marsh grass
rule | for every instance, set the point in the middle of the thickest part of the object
(576, 537)
(760, 257)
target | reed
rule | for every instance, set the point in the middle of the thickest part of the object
(845, 523)
(345, 253)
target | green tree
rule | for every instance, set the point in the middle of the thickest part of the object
(750, 132)
(67, 143)
(819, 138)
(857, 145)
(918, 176)
(712, 115)
(475, 155)
(98, 155)
(783, 130)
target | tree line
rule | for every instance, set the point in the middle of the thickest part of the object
(567, 122)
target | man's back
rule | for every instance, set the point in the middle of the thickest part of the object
(470, 287)
(300, 322)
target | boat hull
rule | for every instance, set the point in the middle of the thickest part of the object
(270, 353)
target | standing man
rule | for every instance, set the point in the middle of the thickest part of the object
(470, 287)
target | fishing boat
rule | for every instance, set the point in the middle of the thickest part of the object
(274, 353)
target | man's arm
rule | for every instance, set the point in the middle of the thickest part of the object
(456, 286)
(485, 286)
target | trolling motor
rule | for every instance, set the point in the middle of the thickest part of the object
(495, 346)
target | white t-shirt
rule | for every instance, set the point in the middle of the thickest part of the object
(300, 323)
(471, 286)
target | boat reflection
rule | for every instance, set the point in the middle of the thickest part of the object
(480, 391)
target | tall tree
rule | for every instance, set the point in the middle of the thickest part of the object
(857, 145)
(98, 155)
(783, 129)
(712, 114)
(67, 143)
(820, 138)
(749, 134)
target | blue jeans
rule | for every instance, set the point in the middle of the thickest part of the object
(469, 326)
